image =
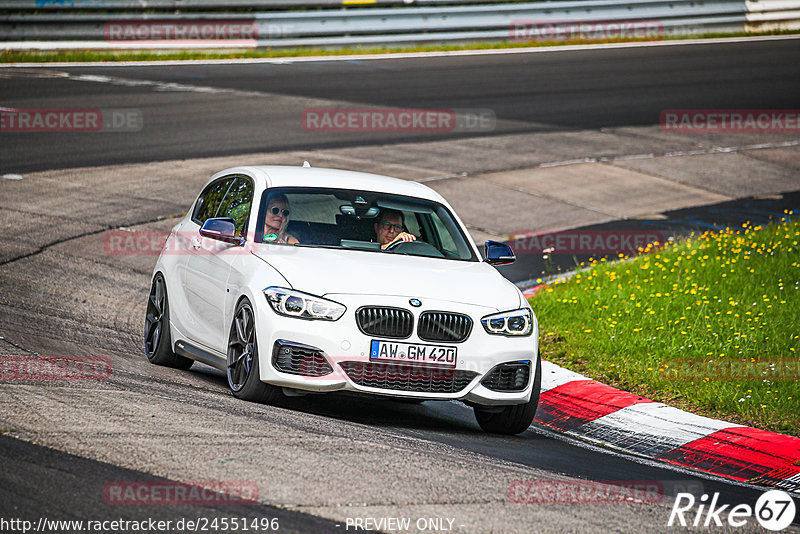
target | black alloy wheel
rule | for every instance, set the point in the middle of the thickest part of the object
(242, 369)
(157, 339)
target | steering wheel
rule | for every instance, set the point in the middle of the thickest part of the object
(415, 248)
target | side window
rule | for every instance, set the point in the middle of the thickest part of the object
(210, 199)
(237, 202)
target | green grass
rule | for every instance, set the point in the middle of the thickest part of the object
(731, 298)
(16, 56)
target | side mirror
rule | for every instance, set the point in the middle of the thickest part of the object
(499, 253)
(221, 229)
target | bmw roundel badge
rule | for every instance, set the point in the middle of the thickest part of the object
(415, 302)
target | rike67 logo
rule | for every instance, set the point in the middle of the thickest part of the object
(774, 510)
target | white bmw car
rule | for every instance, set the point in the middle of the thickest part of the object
(297, 280)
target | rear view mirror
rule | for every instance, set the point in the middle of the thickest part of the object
(359, 212)
(221, 229)
(499, 253)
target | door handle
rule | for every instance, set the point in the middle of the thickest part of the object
(195, 243)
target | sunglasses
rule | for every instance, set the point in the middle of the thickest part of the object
(276, 210)
(388, 226)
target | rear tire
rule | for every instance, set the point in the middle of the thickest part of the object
(242, 370)
(513, 419)
(157, 338)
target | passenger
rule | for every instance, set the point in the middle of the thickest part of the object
(390, 228)
(276, 219)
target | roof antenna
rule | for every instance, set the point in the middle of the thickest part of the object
(306, 165)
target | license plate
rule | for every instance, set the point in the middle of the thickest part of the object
(413, 353)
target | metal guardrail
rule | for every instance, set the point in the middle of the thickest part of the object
(771, 14)
(199, 5)
(179, 5)
(389, 26)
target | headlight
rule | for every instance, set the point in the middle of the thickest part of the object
(510, 323)
(302, 305)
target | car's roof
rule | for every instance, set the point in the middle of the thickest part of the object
(287, 176)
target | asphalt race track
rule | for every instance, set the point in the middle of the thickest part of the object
(319, 461)
(258, 105)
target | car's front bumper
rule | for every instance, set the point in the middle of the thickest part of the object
(344, 347)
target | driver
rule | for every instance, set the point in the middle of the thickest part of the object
(390, 228)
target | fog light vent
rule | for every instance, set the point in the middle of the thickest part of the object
(299, 359)
(511, 376)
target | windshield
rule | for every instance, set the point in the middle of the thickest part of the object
(360, 220)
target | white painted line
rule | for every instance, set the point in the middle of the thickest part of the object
(404, 55)
(12, 176)
(568, 162)
(631, 156)
(158, 86)
(554, 375)
(442, 177)
(650, 428)
(155, 85)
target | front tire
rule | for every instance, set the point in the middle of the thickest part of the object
(513, 419)
(242, 369)
(157, 338)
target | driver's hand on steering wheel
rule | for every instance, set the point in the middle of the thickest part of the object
(402, 236)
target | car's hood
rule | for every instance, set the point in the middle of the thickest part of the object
(323, 272)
